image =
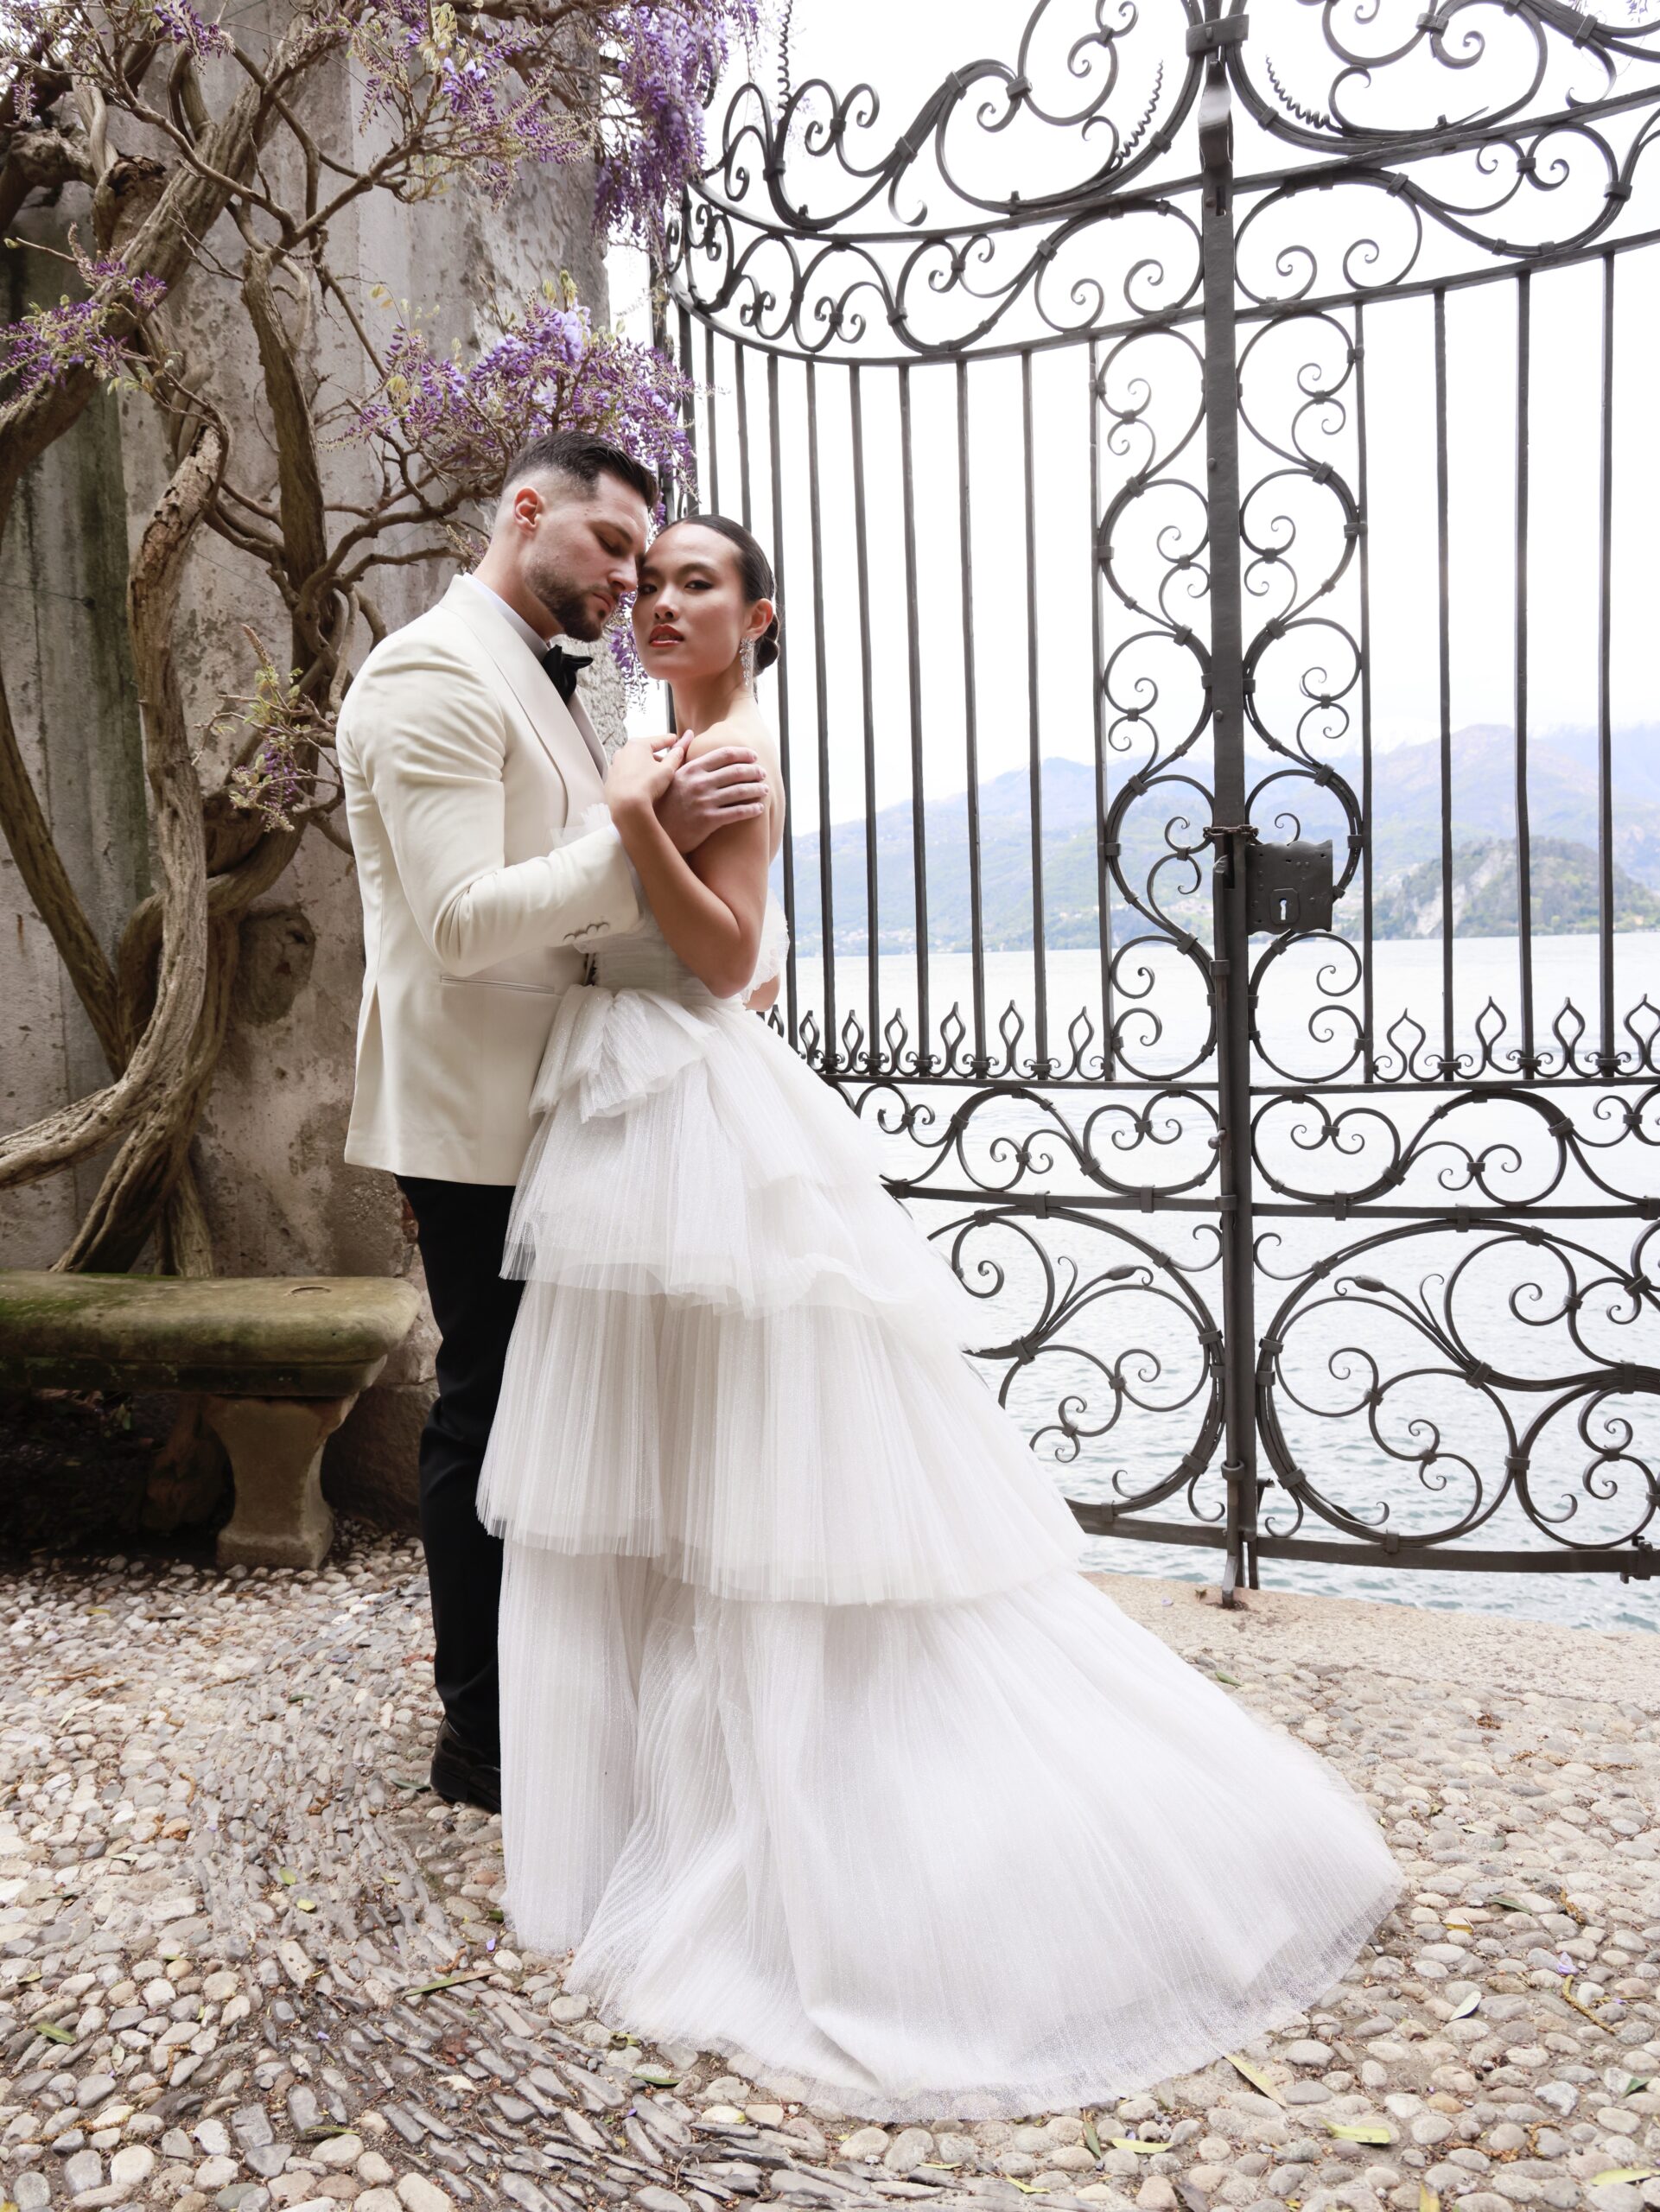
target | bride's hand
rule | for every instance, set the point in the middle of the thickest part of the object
(641, 772)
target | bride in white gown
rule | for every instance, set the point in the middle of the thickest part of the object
(816, 1746)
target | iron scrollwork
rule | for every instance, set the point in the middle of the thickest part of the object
(1454, 1228)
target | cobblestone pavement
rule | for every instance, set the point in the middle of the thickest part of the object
(246, 1960)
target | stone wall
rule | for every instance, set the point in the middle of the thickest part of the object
(280, 1198)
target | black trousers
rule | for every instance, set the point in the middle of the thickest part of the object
(462, 1228)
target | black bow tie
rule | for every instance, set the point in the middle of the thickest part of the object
(564, 668)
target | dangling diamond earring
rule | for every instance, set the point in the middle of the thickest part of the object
(747, 659)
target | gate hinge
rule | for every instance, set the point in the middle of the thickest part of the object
(1226, 30)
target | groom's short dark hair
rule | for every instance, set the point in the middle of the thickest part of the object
(583, 459)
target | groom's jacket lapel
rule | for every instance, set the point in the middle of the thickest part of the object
(574, 751)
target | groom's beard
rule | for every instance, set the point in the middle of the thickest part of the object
(567, 602)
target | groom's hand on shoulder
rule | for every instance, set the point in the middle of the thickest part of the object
(724, 786)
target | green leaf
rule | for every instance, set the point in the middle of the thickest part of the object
(1622, 2173)
(1428, 2200)
(1363, 2131)
(1507, 1905)
(661, 2077)
(53, 2032)
(287, 1876)
(1135, 2143)
(1638, 2081)
(305, 1904)
(449, 1981)
(1220, 1677)
(1092, 2140)
(1463, 2011)
(1256, 2077)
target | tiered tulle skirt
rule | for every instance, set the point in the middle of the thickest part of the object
(815, 1748)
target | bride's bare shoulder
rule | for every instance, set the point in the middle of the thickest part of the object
(742, 729)
(735, 729)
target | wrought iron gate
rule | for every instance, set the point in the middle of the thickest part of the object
(1301, 1237)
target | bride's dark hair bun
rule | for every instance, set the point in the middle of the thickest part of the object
(754, 573)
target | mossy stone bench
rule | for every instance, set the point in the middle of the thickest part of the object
(278, 1363)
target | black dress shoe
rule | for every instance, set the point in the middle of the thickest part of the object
(461, 1775)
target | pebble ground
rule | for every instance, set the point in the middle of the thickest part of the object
(225, 1896)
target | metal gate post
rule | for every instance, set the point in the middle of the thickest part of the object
(1231, 832)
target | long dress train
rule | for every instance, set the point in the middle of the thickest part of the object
(816, 1746)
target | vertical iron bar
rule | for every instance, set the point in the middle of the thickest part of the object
(742, 354)
(682, 501)
(971, 726)
(1034, 741)
(826, 914)
(1443, 643)
(1231, 968)
(709, 409)
(688, 412)
(1363, 492)
(913, 650)
(1608, 1050)
(1523, 827)
(791, 982)
(1099, 703)
(873, 889)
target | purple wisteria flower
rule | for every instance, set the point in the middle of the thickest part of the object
(667, 60)
(178, 20)
(491, 91)
(548, 369)
(482, 92)
(94, 332)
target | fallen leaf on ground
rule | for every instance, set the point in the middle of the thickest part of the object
(1365, 2131)
(1463, 2011)
(1256, 2077)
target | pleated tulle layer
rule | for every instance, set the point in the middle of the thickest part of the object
(686, 1150)
(974, 1859)
(816, 1453)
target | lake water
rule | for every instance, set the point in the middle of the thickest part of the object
(1507, 1302)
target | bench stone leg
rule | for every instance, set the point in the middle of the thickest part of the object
(280, 1517)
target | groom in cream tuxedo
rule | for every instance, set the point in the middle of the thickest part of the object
(464, 755)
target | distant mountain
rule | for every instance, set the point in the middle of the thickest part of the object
(1563, 882)
(1562, 795)
(1406, 841)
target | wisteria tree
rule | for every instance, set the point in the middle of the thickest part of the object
(191, 147)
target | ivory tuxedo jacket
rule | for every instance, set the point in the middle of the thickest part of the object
(461, 767)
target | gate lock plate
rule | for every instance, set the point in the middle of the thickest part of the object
(1289, 886)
